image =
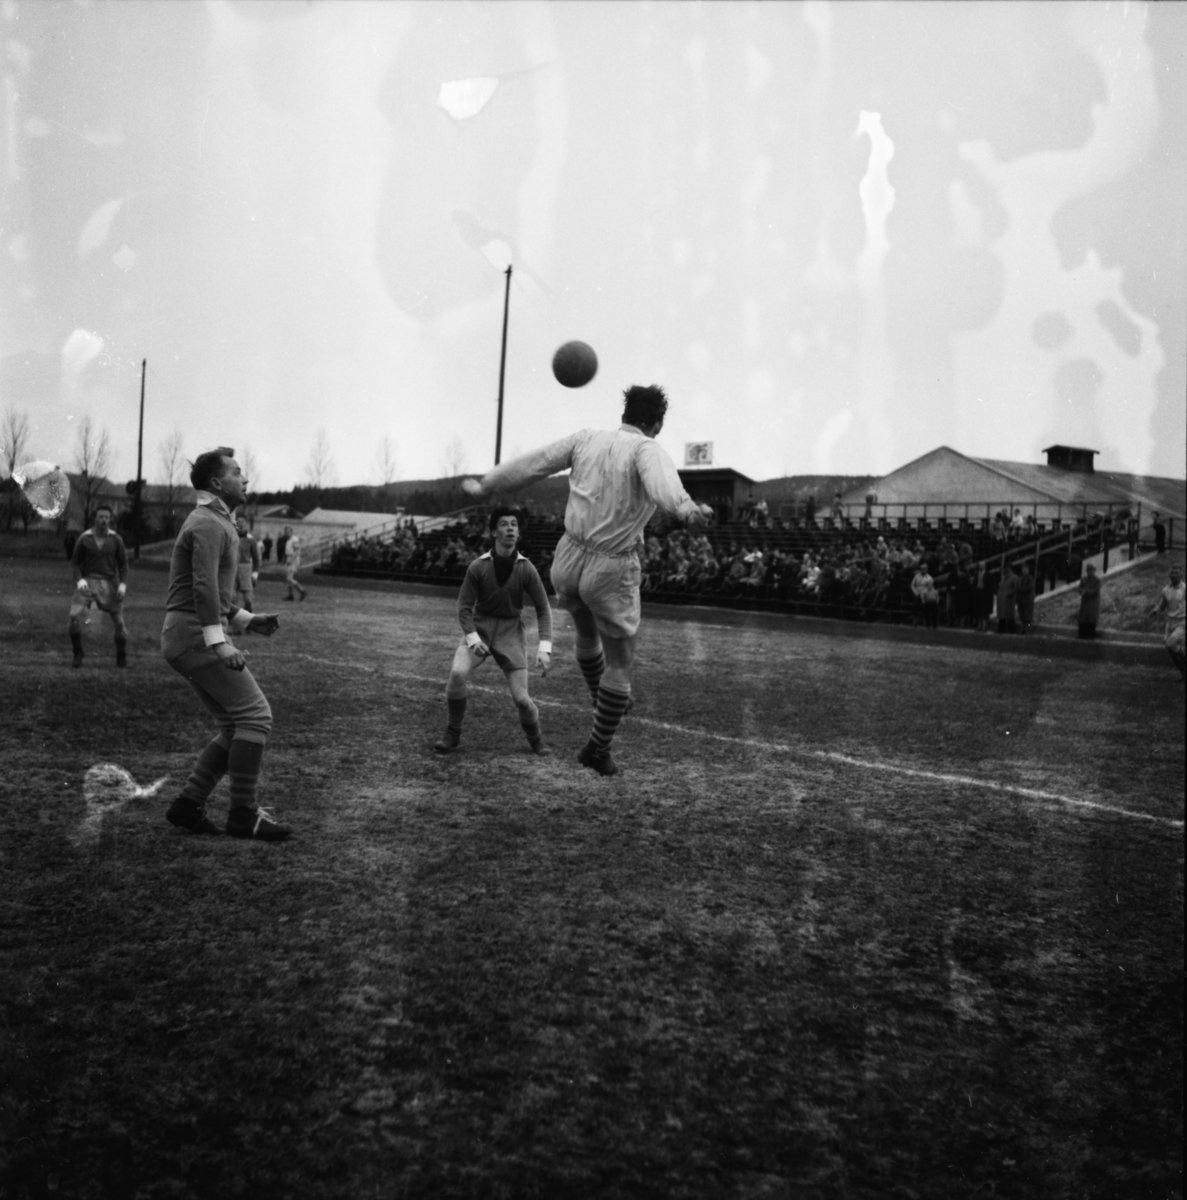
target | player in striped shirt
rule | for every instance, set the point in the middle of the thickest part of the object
(618, 478)
(100, 566)
(490, 609)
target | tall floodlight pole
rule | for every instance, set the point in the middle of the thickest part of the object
(139, 462)
(502, 368)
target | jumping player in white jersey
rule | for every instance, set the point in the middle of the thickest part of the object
(618, 479)
(490, 608)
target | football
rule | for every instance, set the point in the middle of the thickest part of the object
(574, 364)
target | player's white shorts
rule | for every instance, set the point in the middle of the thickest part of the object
(606, 584)
(1175, 639)
(103, 594)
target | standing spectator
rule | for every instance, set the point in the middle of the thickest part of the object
(986, 589)
(266, 546)
(70, 541)
(810, 512)
(1089, 602)
(923, 587)
(1026, 600)
(292, 564)
(282, 544)
(838, 510)
(1173, 602)
(1159, 534)
(249, 566)
(1007, 601)
(871, 500)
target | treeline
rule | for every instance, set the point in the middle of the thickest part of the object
(424, 497)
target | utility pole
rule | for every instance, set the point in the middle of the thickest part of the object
(136, 501)
(502, 368)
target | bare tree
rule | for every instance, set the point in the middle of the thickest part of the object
(14, 438)
(92, 458)
(320, 470)
(251, 469)
(173, 472)
(386, 461)
(454, 460)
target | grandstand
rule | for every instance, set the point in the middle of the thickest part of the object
(969, 520)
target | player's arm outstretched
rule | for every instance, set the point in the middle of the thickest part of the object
(467, 602)
(661, 482)
(517, 473)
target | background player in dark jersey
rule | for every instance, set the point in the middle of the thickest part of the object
(490, 609)
(100, 565)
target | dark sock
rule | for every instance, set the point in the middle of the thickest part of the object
(243, 766)
(532, 731)
(609, 711)
(457, 712)
(121, 649)
(592, 668)
(208, 770)
(76, 642)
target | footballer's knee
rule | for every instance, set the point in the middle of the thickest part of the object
(75, 625)
(456, 688)
(617, 679)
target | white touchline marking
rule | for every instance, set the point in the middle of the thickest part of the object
(848, 760)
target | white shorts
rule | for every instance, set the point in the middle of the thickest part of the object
(1174, 639)
(605, 584)
(103, 594)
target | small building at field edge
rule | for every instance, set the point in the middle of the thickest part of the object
(722, 488)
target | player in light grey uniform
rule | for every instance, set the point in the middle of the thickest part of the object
(618, 479)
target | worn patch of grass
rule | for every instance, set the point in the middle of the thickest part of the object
(820, 953)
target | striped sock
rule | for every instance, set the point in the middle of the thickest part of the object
(243, 766)
(592, 667)
(208, 770)
(457, 712)
(610, 708)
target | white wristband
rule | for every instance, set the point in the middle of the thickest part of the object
(212, 635)
(472, 639)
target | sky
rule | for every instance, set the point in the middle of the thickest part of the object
(839, 234)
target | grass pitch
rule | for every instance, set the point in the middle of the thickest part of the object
(858, 919)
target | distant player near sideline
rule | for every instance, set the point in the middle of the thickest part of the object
(194, 642)
(618, 479)
(1173, 602)
(100, 566)
(490, 609)
(292, 564)
(248, 570)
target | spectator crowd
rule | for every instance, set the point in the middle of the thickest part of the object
(847, 572)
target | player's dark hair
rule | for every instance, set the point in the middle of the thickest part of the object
(503, 510)
(644, 405)
(209, 466)
(104, 508)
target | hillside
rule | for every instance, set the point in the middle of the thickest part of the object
(1125, 600)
